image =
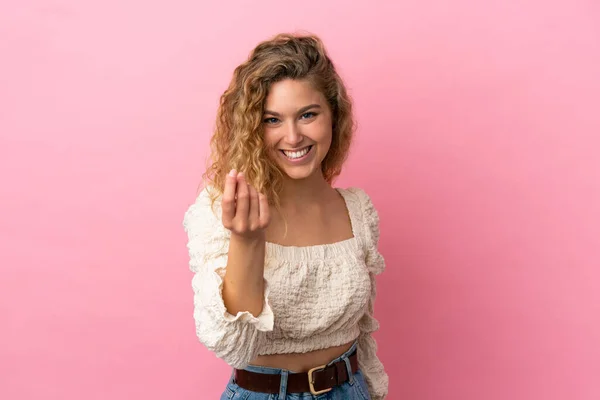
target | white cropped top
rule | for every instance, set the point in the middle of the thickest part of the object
(315, 297)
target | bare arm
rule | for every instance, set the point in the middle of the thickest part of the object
(246, 215)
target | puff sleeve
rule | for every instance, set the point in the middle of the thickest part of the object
(372, 368)
(233, 338)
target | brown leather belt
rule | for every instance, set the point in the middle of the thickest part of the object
(316, 381)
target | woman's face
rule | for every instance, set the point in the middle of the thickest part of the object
(298, 127)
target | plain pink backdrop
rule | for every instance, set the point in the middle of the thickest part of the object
(478, 140)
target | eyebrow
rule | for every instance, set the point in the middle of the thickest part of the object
(301, 111)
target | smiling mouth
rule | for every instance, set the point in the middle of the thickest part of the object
(293, 155)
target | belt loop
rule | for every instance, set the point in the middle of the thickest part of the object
(283, 384)
(349, 370)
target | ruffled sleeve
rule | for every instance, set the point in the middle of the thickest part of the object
(372, 368)
(233, 338)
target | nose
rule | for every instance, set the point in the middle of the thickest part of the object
(293, 136)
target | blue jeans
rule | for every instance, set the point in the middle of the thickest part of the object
(353, 389)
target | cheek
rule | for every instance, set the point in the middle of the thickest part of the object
(269, 138)
(326, 136)
(322, 131)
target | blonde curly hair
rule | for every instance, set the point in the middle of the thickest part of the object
(238, 142)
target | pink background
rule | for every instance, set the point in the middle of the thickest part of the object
(478, 142)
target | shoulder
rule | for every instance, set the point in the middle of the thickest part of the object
(358, 194)
(361, 205)
(203, 211)
(366, 214)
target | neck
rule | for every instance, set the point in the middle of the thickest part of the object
(303, 191)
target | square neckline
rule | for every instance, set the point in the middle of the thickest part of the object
(325, 250)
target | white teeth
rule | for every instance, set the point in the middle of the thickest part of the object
(296, 154)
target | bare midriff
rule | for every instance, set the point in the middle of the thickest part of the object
(301, 362)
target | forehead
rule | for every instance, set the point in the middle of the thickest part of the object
(290, 95)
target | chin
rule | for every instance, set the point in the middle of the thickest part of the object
(298, 173)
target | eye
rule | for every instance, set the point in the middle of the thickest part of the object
(270, 121)
(308, 115)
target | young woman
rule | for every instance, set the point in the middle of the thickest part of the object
(284, 263)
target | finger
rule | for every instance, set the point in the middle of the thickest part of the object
(264, 211)
(254, 208)
(228, 202)
(242, 203)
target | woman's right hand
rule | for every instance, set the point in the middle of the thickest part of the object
(245, 211)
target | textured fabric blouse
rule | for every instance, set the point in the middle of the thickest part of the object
(315, 297)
